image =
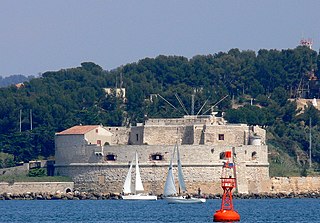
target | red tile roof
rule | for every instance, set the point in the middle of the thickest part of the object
(78, 130)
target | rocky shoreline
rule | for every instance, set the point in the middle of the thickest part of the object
(110, 196)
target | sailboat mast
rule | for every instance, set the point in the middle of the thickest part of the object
(182, 184)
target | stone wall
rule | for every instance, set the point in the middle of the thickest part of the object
(294, 184)
(203, 139)
(161, 135)
(18, 170)
(202, 165)
(35, 187)
(120, 135)
(136, 135)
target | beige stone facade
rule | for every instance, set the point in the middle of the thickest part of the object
(202, 142)
(36, 187)
(296, 185)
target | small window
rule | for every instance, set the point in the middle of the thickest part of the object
(34, 165)
(156, 157)
(111, 157)
(97, 130)
(222, 155)
(221, 136)
(99, 142)
(137, 137)
(254, 155)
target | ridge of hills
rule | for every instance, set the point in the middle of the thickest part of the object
(258, 84)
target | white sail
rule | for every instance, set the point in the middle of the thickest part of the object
(127, 182)
(138, 186)
(182, 184)
(169, 187)
(170, 192)
(137, 195)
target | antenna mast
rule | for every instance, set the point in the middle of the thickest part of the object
(30, 119)
(310, 143)
(192, 104)
(306, 42)
(216, 103)
(167, 101)
(182, 105)
(20, 119)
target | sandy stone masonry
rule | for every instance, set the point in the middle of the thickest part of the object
(98, 158)
(35, 187)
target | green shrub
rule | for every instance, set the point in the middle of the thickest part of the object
(37, 172)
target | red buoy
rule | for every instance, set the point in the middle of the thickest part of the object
(228, 182)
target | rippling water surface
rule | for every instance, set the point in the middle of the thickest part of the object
(98, 211)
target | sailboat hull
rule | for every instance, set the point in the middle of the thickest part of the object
(184, 200)
(139, 197)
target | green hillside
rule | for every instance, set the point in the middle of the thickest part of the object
(255, 88)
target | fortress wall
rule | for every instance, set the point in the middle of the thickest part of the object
(69, 148)
(260, 132)
(232, 135)
(100, 133)
(252, 153)
(158, 135)
(257, 178)
(136, 135)
(188, 135)
(294, 184)
(201, 166)
(190, 154)
(186, 120)
(35, 187)
(17, 170)
(163, 121)
(82, 154)
(120, 135)
(107, 179)
(198, 137)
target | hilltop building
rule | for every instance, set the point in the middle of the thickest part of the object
(98, 157)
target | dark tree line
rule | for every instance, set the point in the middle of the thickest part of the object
(255, 86)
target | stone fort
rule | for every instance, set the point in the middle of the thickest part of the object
(98, 157)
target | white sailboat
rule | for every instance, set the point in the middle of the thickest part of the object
(137, 193)
(170, 193)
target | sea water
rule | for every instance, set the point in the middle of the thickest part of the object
(118, 211)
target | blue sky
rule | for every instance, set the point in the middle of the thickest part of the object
(42, 35)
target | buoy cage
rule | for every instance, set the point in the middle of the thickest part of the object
(226, 212)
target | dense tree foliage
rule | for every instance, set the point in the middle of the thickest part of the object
(250, 87)
(14, 79)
